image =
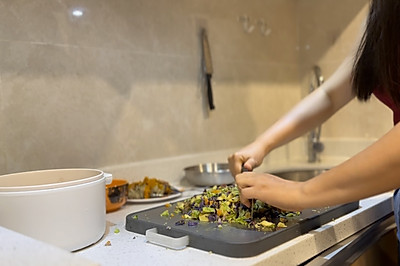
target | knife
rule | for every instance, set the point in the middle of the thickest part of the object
(208, 68)
(252, 200)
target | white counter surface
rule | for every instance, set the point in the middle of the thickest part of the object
(129, 248)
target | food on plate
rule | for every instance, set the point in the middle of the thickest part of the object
(221, 204)
(149, 188)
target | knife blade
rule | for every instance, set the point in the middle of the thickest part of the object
(252, 200)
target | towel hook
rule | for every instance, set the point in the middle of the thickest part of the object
(245, 20)
(263, 27)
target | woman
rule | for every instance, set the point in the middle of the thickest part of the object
(375, 69)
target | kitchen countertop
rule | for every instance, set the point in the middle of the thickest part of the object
(131, 248)
(127, 248)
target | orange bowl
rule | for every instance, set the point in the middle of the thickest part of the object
(116, 194)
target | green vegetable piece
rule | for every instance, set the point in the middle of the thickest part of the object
(116, 231)
(225, 207)
(165, 213)
(208, 210)
(180, 205)
(203, 217)
(222, 197)
(195, 214)
(281, 225)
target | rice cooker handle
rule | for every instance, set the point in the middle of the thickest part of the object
(109, 178)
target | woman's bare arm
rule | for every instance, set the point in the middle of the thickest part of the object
(372, 171)
(310, 112)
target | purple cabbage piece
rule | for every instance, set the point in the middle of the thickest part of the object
(212, 217)
(192, 223)
(180, 222)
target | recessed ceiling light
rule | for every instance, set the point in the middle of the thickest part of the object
(77, 12)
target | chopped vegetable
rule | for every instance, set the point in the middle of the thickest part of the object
(203, 217)
(281, 225)
(116, 231)
(292, 214)
(265, 225)
(180, 222)
(165, 213)
(221, 204)
(192, 223)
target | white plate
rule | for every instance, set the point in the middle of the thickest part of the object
(175, 194)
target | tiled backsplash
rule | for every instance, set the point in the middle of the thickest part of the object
(328, 30)
(122, 83)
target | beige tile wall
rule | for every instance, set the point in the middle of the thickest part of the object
(123, 82)
(329, 30)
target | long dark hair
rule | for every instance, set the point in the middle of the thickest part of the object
(377, 62)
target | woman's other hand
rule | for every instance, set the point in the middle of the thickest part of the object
(278, 192)
(248, 157)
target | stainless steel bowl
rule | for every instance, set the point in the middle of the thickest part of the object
(209, 174)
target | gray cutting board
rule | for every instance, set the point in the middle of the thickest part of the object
(231, 240)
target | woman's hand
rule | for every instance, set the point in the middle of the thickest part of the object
(278, 192)
(249, 157)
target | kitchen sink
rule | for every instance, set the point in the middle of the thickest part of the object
(298, 174)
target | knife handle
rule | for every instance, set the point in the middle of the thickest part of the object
(245, 169)
(210, 93)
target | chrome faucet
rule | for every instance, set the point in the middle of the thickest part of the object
(314, 145)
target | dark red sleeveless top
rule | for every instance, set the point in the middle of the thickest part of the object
(383, 97)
